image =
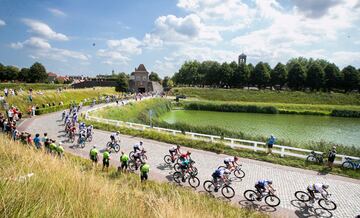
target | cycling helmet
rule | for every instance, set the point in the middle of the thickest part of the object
(94, 146)
(270, 181)
(325, 186)
(118, 132)
(178, 146)
(188, 152)
(236, 158)
(141, 142)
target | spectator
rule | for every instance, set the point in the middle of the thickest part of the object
(37, 141)
(33, 109)
(60, 150)
(6, 92)
(270, 143)
(331, 157)
(144, 171)
(15, 133)
(29, 140)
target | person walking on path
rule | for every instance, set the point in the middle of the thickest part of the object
(124, 159)
(331, 157)
(144, 171)
(106, 160)
(270, 143)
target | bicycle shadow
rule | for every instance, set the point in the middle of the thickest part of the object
(252, 205)
(305, 210)
(164, 166)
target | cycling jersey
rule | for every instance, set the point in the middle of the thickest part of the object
(317, 187)
(137, 154)
(94, 152)
(218, 173)
(53, 146)
(60, 149)
(229, 159)
(106, 155)
(145, 168)
(124, 158)
(263, 183)
(173, 149)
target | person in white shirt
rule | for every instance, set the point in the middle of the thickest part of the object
(318, 188)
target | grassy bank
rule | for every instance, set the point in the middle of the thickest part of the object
(219, 147)
(267, 96)
(52, 96)
(138, 113)
(34, 86)
(71, 188)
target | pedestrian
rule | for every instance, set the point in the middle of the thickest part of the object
(94, 155)
(144, 171)
(53, 146)
(60, 150)
(124, 159)
(106, 160)
(331, 157)
(33, 109)
(270, 144)
(6, 92)
(37, 141)
(29, 140)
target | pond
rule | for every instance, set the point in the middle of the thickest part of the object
(296, 128)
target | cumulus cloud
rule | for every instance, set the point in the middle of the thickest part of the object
(44, 30)
(315, 9)
(56, 12)
(2, 23)
(33, 42)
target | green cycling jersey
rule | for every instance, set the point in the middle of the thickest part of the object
(106, 155)
(94, 152)
(124, 158)
(145, 168)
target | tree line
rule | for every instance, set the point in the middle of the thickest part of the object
(35, 74)
(297, 74)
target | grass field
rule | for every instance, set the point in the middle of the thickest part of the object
(72, 188)
(34, 86)
(51, 96)
(267, 96)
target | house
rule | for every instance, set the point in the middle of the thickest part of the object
(140, 82)
(51, 77)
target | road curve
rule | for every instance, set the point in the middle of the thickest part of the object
(345, 191)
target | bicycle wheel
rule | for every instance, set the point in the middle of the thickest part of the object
(168, 159)
(272, 200)
(327, 204)
(177, 177)
(239, 173)
(302, 196)
(89, 138)
(311, 158)
(131, 155)
(117, 148)
(250, 195)
(144, 157)
(82, 145)
(194, 181)
(177, 167)
(228, 192)
(194, 170)
(348, 165)
(132, 166)
(209, 186)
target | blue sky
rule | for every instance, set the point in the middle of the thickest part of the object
(91, 37)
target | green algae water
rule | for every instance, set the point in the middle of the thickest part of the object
(296, 128)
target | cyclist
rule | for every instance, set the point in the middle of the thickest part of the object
(74, 118)
(82, 126)
(124, 159)
(106, 159)
(63, 115)
(144, 170)
(184, 166)
(114, 137)
(138, 147)
(174, 150)
(231, 162)
(89, 130)
(185, 156)
(94, 155)
(82, 136)
(317, 188)
(220, 174)
(262, 186)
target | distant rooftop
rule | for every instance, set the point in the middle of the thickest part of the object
(141, 68)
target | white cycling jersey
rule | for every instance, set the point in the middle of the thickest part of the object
(173, 148)
(229, 159)
(317, 187)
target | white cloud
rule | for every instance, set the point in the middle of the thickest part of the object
(44, 30)
(33, 42)
(56, 12)
(151, 41)
(2, 23)
(344, 58)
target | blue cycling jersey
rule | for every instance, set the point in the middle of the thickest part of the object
(263, 182)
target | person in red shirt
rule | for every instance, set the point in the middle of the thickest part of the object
(185, 156)
(29, 140)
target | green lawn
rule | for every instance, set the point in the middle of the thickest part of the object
(34, 86)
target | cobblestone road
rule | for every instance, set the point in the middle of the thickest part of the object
(345, 192)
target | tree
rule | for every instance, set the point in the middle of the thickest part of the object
(241, 75)
(189, 73)
(24, 75)
(279, 75)
(351, 78)
(332, 77)
(38, 73)
(154, 77)
(9, 73)
(315, 77)
(167, 83)
(262, 74)
(252, 74)
(226, 74)
(122, 83)
(214, 76)
(296, 77)
(299, 60)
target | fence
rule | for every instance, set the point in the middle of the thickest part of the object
(233, 143)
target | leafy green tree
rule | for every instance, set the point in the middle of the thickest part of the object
(154, 77)
(315, 77)
(296, 76)
(214, 76)
(226, 74)
(38, 73)
(262, 74)
(167, 83)
(24, 75)
(204, 71)
(332, 77)
(9, 73)
(299, 60)
(279, 75)
(122, 83)
(189, 73)
(351, 78)
(241, 75)
(252, 74)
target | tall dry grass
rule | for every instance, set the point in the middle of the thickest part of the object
(72, 188)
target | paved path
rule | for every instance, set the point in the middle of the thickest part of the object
(345, 192)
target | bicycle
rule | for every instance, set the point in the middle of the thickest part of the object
(324, 203)
(114, 146)
(351, 163)
(238, 172)
(270, 198)
(89, 137)
(315, 157)
(169, 160)
(143, 155)
(226, 190)
(189, 175)
(81, 142)
(134, 165)
(72, 136)
(177, 167)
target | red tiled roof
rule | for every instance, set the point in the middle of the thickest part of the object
(52, 74)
